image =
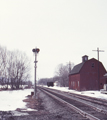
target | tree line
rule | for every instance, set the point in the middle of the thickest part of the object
(14, 68)
(61, 75)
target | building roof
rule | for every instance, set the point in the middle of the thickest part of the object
(77, 68)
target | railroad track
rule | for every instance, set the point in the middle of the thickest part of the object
(79, 104)
(101, 103)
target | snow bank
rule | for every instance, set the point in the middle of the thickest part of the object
(11, 100)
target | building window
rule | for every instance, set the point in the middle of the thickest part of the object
(92, 65)
(73, 83)
(86, 58)
(78, 83)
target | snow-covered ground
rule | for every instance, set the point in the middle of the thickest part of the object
(96, 94)
(11, 100)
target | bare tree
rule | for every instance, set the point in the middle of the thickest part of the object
(3, 61)
(14, 68)
(3, 66)
(18, 68)
(63, 73)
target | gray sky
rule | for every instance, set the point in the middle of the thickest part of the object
(64, 30)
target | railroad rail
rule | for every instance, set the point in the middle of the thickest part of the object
(81, 106)
(98, 101)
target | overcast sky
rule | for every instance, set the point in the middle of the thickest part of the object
(64, 30)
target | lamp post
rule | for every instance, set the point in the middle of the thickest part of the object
(36, 50)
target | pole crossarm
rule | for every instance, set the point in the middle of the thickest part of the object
(98, 52)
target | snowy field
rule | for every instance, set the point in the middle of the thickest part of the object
(96, 94)
(11, 100)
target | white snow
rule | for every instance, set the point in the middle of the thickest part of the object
(11, 100)
(28, 109)
(16, 113)
(96, 94)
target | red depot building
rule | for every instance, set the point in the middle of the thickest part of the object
(88, 75)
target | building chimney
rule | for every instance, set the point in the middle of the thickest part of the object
(84, 58)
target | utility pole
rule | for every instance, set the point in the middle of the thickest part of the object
(69, 67)
(98, 52)
(36, 50)
(98, 66)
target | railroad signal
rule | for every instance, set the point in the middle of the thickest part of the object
(36, 50)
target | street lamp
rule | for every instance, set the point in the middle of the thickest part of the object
(36, 50)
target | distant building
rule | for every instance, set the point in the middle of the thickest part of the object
(87, 75)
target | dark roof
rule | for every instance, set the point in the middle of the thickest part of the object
(77, 68)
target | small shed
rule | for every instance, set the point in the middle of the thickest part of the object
(88, 75)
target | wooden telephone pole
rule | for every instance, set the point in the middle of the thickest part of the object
(98, 66)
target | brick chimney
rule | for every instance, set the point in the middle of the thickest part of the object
(84, 58)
